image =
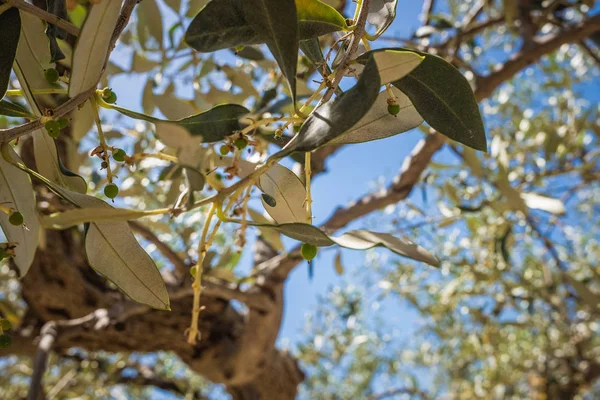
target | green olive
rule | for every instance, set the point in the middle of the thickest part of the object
(111, 98)
(51, 75)
(240, 143)
(393, 109)
(119, 155)
(308, 251)
(224, 150)
(16, 219)
(111, 190)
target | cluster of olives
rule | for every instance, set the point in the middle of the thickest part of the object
(240, 143)
(54, 126)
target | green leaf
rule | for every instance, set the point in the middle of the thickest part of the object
(10, 21)
(225, 24)
(316, 18)
(213, 125)
(444, 98)
(277, 21)
(221, 24)
(334, 118)
(355, 240)
(113, 251)
(195, 179)
(16, 192)
(288, 191)
(150, 20)
(33, 57)
(378, 123)
(92, 47)
(11, 109)
(53, 32)
(381, 15)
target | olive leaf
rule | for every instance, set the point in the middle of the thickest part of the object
(316, 18)
(10, 21)
(356, 240)
(212, 125)
(444, 98)
(11, 109)
(112, 249)
(92, 46)
(335, 118)
(223, 24)
(33, 57)
(287, 190)
(16, 192)
(378, 123)
(53, 32)
(381, 15)
(277, 21)
(150, 22)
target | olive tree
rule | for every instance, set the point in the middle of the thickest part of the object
(200, 174)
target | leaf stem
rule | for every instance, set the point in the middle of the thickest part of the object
(102, 139)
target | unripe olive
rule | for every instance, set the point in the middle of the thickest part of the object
(111, 190)
(111, 98)
(51, 75)
(2, 254)
(63, 122)
(5, 341)
(193, 271)
(5, 324)
(224, 150)
(240, 143)
(308, 251)
(119, 155)
(16, 218)
(393, 109)
(53, 128)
